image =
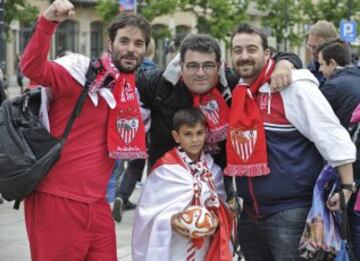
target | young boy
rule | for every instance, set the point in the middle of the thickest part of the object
(184, 176)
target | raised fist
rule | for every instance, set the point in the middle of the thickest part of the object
(59, 11)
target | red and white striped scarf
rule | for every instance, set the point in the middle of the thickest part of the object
(126, 131)
(246, 143)
(216, 112)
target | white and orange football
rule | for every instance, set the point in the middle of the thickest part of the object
(197, 220)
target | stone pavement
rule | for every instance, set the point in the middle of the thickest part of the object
(13, 239)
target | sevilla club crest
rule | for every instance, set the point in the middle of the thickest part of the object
(211, 111)
(243, 142)
(127, 129)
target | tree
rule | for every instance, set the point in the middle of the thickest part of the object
(334, 11)
(284, 18)
(216, 17)
(19, 10)
(107, 9)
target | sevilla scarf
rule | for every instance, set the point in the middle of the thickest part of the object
(126, 131)
(216, 112)
(246, 142)
(201, 173)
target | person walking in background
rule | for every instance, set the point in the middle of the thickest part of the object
(2, 87)
(2, 98)
(275, 148)
(341, 89)
(320, 32)
(19, 74)
(148, 64)
(67, 216)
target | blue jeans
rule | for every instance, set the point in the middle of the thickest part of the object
(276, 237)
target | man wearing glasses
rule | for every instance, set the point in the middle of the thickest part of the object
(319, 33)
(196, 79)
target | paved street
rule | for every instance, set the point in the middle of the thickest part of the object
(13, 239)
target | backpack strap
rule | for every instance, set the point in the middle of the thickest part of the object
(90, 76)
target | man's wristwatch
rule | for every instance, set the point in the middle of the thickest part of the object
(351, 187)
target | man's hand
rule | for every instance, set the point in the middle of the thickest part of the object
(59, 11)
(333, 202)
(281, 76)
(233, 205)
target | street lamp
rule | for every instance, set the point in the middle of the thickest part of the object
(286, 34)
(349, 9)
(2, 35)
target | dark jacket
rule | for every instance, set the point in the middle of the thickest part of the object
(343, 93)
(2, 92)
(164, 99)
(314, 69)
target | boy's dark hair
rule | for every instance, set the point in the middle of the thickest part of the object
(250, 29)
(124, 20)
(202, 43)
(190, 116)
(336, 49)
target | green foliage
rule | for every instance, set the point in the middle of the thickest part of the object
(19, 10)
(336, 10)
(303, 12)
(107, 9)
(283, 17)
(154, 8)
(160, 32)
(216, 17)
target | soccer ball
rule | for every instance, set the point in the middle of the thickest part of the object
(197, 220)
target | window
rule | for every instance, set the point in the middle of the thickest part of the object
(24, 36)
(96, 39)
(181, 32)
(66, 37)
(161, 36)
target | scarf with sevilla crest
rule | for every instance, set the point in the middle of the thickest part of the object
(216, 112)
(246, 143)
(126, 131)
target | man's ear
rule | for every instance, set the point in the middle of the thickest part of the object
(267, 53)
(109, 45)
(175, 136)
(182, 67)
(333, 63)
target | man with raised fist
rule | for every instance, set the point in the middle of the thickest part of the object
(67, 217)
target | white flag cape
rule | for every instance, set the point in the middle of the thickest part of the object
(167, 191)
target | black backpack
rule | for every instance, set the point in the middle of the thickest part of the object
(27, 149)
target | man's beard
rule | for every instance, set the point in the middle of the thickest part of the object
(126, 69)
(254, 71)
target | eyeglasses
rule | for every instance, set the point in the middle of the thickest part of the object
(311, 47)
(206, 67)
